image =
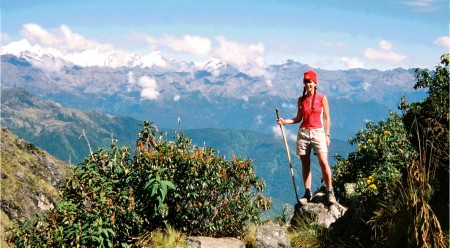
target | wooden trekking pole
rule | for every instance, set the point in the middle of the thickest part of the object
(288, 155)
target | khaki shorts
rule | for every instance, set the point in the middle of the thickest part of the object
(308, 139)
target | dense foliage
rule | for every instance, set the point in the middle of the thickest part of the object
(401, 171)
(380, 162)
(114, 197)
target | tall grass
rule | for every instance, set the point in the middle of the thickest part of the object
(308, 235)
(167, 238)
(410, 218)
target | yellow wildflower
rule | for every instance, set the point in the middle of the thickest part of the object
(370, 180)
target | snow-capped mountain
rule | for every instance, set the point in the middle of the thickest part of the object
(100, 56)
(209, 94)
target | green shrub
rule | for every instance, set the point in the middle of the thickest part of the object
(383, 155)
(113, 197)
(212, 196)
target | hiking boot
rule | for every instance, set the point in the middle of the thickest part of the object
(306, 197)
(331, 197)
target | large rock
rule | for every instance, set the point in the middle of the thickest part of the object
(318, 211)
(271, 235)
(209, 242)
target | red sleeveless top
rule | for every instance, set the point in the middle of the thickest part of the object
(312, 118)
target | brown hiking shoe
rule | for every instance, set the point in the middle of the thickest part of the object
(306, 197)
(331, 197)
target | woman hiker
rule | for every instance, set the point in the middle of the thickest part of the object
(313, 134)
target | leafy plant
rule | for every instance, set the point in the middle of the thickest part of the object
(113, 198)
(382, 157)
(212, 196)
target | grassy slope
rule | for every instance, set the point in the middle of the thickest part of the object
(29, 176)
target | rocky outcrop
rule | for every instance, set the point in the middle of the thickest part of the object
(268, 235)
(271, 235)
(317, 211)
(209, 242)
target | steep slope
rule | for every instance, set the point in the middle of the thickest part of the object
(29, 178)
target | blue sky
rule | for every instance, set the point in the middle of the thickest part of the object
(328, 34)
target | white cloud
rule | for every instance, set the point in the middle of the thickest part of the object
(268, 80)
(130, 77)
(191, 44)
(422, 5)
(176, 98)
(443, 42)
(131, 81)
(63, 38)
(259, 119)
(36, 34)
(384, 53)
(149, 88)
(290, 136)
(384, 45)
(352, 62)
(248, 58)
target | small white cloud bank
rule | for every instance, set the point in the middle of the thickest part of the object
(384, 53)
(290, 136)
(352, 63)
(443, 41)
(149, 88)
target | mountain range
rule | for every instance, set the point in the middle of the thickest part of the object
(212, 94)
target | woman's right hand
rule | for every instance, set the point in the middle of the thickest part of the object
(280, 121)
